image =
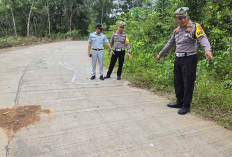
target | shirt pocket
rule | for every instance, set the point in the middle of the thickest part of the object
(101, 40)
(188, 38)
(93, 38)
(123, 39)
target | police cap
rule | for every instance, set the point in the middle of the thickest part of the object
(181, 12)
(100, 26)
(121, 24)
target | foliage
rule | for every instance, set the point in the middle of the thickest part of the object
(51, 17)
(150, 29)
(12, 41)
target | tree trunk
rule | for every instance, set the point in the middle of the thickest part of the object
(70, 23)
(29, 17)
(12, 13)
(49, 22)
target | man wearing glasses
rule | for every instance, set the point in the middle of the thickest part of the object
(118, 40)
(185, 37)
(96, 40)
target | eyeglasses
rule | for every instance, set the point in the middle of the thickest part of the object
(180, 18)
(122, 27)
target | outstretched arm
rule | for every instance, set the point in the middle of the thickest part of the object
(167, 47)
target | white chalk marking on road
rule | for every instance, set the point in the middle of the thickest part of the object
(74, 76)
(69, 66)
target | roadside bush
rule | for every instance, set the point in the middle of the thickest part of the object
(149, 30)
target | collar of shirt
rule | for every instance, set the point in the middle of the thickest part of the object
(98, 34)
(120, 33)
(187, 26)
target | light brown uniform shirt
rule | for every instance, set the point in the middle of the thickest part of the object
(119, 41)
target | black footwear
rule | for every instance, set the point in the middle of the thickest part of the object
(101, 77)
(118, 77)
(175, 105)
(183, 111)
(93, 77)
(107, 76)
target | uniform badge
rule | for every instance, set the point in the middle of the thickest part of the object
(181, 11)
(127, 40)
(199, 27)
(199, 31)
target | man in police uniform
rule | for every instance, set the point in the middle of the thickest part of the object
(118, 40)
(185, 37)
(96, 40)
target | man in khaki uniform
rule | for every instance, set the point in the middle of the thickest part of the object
(118, 40)
(185, 37)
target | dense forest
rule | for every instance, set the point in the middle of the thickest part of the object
(46, 18)
(149, 25)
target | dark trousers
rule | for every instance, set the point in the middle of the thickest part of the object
(120, 56)
(184, 78)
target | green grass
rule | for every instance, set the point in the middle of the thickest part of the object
(212, 96)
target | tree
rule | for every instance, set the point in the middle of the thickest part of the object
(33, 4)
(10, 4)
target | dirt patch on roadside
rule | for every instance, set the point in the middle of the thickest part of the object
(15, 118)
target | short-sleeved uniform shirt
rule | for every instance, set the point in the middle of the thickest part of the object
(119, 41)
(97, 40)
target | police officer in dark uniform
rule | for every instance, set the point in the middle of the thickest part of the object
(185, 37)
(119, 40)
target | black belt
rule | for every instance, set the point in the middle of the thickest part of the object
(98, 49)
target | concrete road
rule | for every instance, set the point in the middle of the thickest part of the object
(95, 118)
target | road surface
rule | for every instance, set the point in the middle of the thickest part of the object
(95, 118)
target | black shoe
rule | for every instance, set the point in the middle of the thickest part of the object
(101, 77)
(175, 105)
(183, 111)
(107, 76)
(93, 77)
(118, 77)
